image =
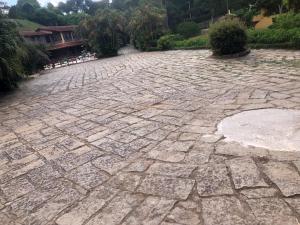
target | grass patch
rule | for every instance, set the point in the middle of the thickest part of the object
(25, 24)
(198, 42)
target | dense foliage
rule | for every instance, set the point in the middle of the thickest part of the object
(286, 21)
(104, 32)
(10, 55)
(147, 25)
(168, 41)
(228, 37)
(284, 33)
(188, 29)
(16, 57)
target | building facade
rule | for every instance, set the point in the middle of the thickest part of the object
(60, 41)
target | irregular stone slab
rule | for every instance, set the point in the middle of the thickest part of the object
(18, 172)
(27, 203)
(297, 164)
(43, 174)
(171, 169)
(125, 181)
(53, 207)
(211, 138)
(167, 223)
(284, 155)
(236, 149)
(117, 209)
(272, 211)
(87, 176)
(166, 155)
(110, 163)
(174, 188)
(212, 179)
(274, 129)
(16, 188)
(151, 212)
(86, 208)
(139, 165)
(259, 193)
(114, 147)
(284, 176)
(77, 158)
(226, 211)
(295, 203)
(180, 146)
(184, 216)
(122, 137)
(244, 173)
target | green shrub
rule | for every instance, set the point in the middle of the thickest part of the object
(287, 21)
(167, 42)
(35, 59)
(188, 29)
(275, 36)
(17, 57)
(103, 32)
(146, 26)
(193, 43)
(227, 37)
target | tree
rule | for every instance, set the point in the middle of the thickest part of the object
(294, 5)
(93, 7)
(103, 32)
(147, 25)
(10, 55)
(74, 18)
(271, 6)
(13, 12)
(34, 3)
(17, 58)
(46, 17)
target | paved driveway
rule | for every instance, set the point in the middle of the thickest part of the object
(130, 140)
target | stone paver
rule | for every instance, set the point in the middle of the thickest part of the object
(226, 211)
(284, 176)
(132, 140)
(272, 211)
(245, 173)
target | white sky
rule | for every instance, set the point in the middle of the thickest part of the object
(42, 2)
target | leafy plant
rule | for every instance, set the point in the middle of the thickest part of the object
(167, 42)
(188, 29)
(146, 26)
(227, 37)
(275, 37)
(195, 42)
(11, 54)
(17, 58)
(287, 21)
(103, 32)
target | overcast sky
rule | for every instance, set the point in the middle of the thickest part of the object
(42, 2)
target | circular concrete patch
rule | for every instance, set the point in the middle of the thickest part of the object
(274, 129)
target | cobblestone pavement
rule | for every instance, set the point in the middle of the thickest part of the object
(131, 140)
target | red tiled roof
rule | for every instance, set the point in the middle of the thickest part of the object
(65, 45)
(34, 33)
(57, 28)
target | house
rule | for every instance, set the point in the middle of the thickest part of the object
(60, 41)
(4, 8)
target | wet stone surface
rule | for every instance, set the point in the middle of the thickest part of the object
(132, 140)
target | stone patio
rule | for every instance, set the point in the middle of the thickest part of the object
(131, 140)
